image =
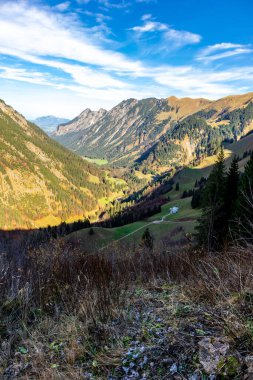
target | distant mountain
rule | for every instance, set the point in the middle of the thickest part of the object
(158, 133)
(42, 182)
(83, 121)
(50, 123)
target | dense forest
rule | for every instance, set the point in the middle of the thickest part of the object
(226, 199)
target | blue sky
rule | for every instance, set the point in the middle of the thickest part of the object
(59, 57)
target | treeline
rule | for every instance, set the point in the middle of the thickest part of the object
(65, 228)
(17, 243)
(159, 186)
(227, 202)
(132, 214)
(205, 138)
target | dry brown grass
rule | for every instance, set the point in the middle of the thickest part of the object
(59, 302)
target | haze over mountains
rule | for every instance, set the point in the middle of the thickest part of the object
(158, 133)
(49, 123)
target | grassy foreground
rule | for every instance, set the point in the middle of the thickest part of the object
(142, 314)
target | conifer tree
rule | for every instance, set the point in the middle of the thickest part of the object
(231, 194)
(210, 231)
(147, 239)
(91, 231)
(245, 202)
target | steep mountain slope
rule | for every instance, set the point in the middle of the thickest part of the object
(82, 122)
(125, 132)
(149, 131)
(201, 134)
(49, 123)
(41, 182)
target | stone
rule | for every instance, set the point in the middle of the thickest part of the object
(211, 352)
(249, 364)
(173, 369)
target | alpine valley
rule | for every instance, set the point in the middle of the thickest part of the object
(126, 190)
(131, 148)
(157, 135)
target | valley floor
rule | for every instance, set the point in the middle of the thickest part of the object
(164, 227)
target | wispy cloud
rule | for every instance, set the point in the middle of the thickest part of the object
(37, 32)
(51, 48)
(192, 81)
(121, 4)
(223, 50)
(146, 1)
(176, 38)
(63, 6)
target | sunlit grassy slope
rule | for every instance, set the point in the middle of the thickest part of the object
(131, 233)
(98, 161)
(43, 183)
(185, 218)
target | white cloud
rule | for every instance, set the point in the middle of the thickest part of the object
(182, 37)
(146, 1)
(29, 30)
(192, 81)
(223, 50)
(82, 75)
(118, 5)
(83, 1)
(176, 38)
(62, 6)
(146, 17)
(65, 58)
(23, 75)
(150, 26)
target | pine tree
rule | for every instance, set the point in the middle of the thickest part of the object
(245, 202)
(91, 231)
(147, 239)
(210, 231)
(231, 194)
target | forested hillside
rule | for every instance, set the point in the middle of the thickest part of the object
(41, 182)
(159, 134)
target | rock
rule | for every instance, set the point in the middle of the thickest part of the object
(249, 364)
(211, 352)
(194, 377)
(173, 369)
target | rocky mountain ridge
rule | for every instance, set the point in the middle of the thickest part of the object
(83, 121)
(131, 130)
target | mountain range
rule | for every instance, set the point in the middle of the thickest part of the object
(42, 182)
(158, 134)
(49, 123)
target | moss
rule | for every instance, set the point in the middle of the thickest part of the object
(229, 367)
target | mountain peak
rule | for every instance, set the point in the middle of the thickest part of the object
(131, 128)
(81, 122)
(49, 123)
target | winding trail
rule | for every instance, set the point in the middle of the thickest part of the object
(159, 221)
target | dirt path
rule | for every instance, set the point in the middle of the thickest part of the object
(159, 221)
